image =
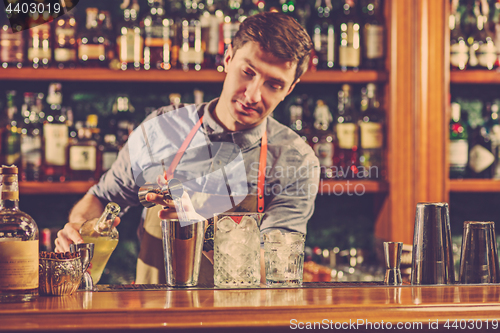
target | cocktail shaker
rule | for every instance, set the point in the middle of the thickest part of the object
(432, 257)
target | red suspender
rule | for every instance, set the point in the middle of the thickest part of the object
(262, 163)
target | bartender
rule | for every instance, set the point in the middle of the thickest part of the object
(228, 153)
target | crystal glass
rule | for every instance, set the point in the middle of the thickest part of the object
(284, 258)
(237, 250)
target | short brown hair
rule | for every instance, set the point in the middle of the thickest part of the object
(278, 34)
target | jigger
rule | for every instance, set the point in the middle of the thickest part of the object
(392, 254)
(172, 190)
(86, 253)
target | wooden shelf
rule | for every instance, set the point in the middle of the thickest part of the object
(474, 185)
(208, 75)
(327, 187)
(475, 76)
(351, 187)
(71, 187)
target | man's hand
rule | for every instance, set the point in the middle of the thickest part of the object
(169, 211)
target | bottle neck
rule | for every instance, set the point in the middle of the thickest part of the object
(104, 225)
(9, 189)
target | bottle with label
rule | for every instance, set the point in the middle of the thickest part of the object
(323, 140)
(459, 49)
(373, 34)
(191, 52)
(459, 145)
(157, 41)
(65, 45)
(481, 156)
(129, 41)
(210, 20)
(40, 45)
(297, 118)
(105, 27)
(18, 243)
(350, 37)
(371, 135)
(83, 157)
(104, 236)
(92, 42)
(11, 132)
(12, 48)
(484, 43)
(55, 136)
(31, 140)
(347, 134)
(323, 36)
(109, 152)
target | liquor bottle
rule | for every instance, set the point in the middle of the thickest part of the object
(347, 133)
(18, 243)
(55, 136)
(373, 35)
(459, 145)
(350, 38)
(371, 135)
(82, 157)
(92, 42)
(157, 41)
(130, 42)
(65, 45)
(297, 118)
(481, 156)
(105, 28)
(323, 140)
(323, 36)
(104, 236)
(31, 139)
(191, 52)
(459, 49)
(12, 48)
(484, 46)
(11, 132)
(109, 152)
(40, 45)
(210, 23)
(229, 28)
(492, 125)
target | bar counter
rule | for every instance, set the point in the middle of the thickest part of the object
(362, 308)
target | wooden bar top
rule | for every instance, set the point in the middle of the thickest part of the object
(259, 310)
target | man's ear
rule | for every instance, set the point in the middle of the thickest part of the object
(228, 56)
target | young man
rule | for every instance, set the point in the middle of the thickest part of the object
(226, 137)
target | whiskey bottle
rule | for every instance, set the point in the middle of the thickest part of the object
(18, 243)
(157, 43)
(83, 157)
(65, 45)
(40, 46)
(371, 130)
(459, 145)
(104, 236)
(459, 50)
(31, 140)
(350, 38)
(323, 140)
(481, 156)
(55, 137)
(484, 45)
(229, 27)
(129, 41)
(92, 42)
(323, 36)
(12, 48)
(347, 134)
(191, 53)
(11, 132)
(373, 35)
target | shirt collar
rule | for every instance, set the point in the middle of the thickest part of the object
(244, 139)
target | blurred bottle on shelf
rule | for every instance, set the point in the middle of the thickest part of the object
(323, 139)
(83, 156)
(297, 117)
(481, 156)
(11, 132)
(350, 37)
(92, 43)
(105, 27)
(210, 20)
(323, 36)
(65, 45)
(373, 34)
(483, 52)
(459, 49)
(228, 29)
(31, 138)
(371, 134)
(346, 129)
(12, 47)
(122, 112)
(157, 43)
(55, 136)
(109, 152)
(459, 145)
(129, 39)
(191, 52)
(39, 53)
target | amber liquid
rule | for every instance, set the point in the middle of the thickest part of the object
(103, 247)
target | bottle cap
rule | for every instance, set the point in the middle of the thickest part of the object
(8, 170)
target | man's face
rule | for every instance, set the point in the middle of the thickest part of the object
(256, 82)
